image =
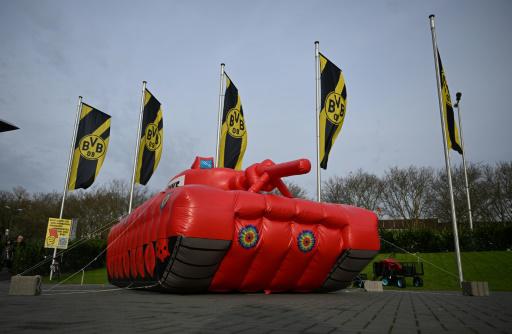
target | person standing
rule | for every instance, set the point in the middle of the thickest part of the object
(7, 255)
(17, 257)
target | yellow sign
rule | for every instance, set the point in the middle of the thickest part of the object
(57, 233)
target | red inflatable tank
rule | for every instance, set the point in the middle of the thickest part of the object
(212, 230)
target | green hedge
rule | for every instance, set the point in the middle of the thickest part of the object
(26, 256)
(484, 237)
(73, 259)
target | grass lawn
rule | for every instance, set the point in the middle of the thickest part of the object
(93, 276)
(493, 267)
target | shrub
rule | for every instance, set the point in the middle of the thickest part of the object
(26, 255)
(71, 260)
(484, 237)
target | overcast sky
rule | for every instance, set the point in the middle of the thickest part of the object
(54, 51)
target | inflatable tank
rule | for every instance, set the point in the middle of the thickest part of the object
(222, 230)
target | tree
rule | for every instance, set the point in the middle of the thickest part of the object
(96, 209)
(14, 207)
(441, 205)
(498, 191)
(296, 190)
(100, 207)
(408, 192)
(332, 190)
(359, 189)
(33, 220)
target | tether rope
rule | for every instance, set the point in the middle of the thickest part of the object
(422, 259)
(97, 256)
(76, 244)
(129, 287)
(81, 241)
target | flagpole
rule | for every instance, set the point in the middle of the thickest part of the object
(66, 183)
(446, 153)
(137, 144)
(317, 80)
(219, 116)
(457, 105)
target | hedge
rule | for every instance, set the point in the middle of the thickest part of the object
(484, 237)
(75, 258)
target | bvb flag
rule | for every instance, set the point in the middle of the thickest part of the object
(91, 145)
(151, 139)
(452, 138)
(233, 136)
(332, 109)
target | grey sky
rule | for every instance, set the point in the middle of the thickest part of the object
(54, 51)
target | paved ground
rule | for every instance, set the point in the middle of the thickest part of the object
(95, 309)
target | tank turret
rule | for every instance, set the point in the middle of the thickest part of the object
(263, 176)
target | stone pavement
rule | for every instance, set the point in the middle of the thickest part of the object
(105, 309)
(4, 274)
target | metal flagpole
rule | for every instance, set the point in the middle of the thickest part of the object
(446, 153)
(219, 116)
(457, 105)
(317, 80)
(137, 144)
(66, 183)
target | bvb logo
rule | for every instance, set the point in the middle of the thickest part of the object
(152, 136)
(92, 147)
(236, 124)
(335, 107)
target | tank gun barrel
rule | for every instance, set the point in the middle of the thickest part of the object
(295, 167)
(267, 175)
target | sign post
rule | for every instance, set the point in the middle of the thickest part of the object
(57, 237)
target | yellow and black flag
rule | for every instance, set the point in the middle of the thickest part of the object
(333, 99)
(151, 139)
(233, 136)
(91, 145)
(452, 133)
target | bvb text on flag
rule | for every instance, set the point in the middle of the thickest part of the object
(151, 139)
(91, 145)
(452, 137)
(233, 137)
(333, 99)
